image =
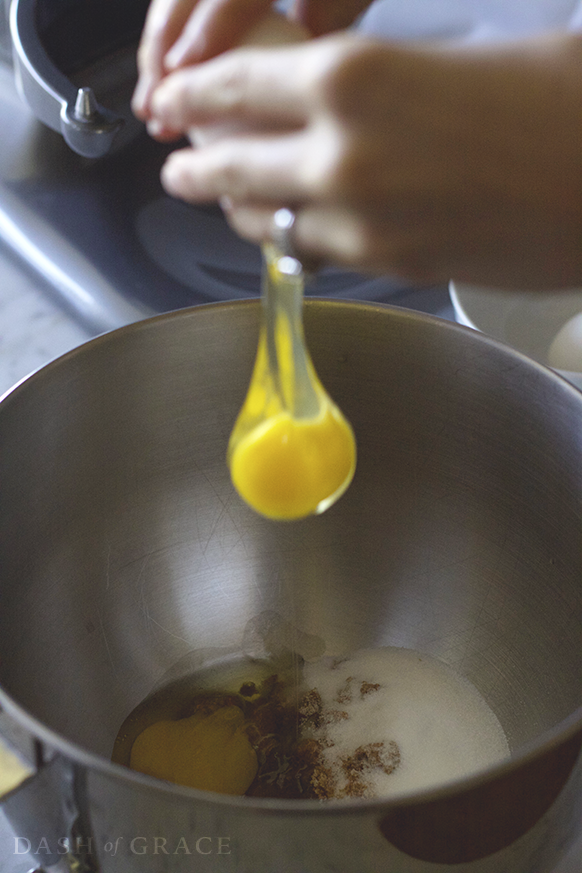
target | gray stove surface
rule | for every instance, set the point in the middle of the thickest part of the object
(105, 238)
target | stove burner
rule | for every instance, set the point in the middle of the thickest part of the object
(108, 241)
(196, 246)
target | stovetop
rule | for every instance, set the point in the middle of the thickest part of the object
(105, 238)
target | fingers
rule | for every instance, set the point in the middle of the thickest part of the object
(164, 22)
(242, 168)
(321, 234)
(214, 27)
(180, 32)
(247, 84)
(321, 16)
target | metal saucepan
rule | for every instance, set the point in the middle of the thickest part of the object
(127, 557)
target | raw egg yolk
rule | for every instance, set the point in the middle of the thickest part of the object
(210, 752)
(288, 468)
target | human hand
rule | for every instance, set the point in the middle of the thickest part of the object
(178, 33)
(429, 162)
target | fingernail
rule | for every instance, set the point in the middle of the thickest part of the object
(154, 127)
(226, 204)
(189, 49)
(173, 58)
(139, 100)
(158, 101)
(170, 176)
(176, 56)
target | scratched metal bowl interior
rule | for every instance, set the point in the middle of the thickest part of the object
(127, 556)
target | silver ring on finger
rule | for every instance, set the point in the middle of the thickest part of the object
(282, 232)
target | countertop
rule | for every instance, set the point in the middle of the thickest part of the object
(33, 328)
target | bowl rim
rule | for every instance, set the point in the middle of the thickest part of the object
(527, 753)
(459, 291)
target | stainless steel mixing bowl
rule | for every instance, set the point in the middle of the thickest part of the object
(126, 558)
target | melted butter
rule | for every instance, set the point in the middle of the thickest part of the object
(211, 752)
(375, 723)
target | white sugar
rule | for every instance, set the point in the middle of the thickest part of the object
(421, 722)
